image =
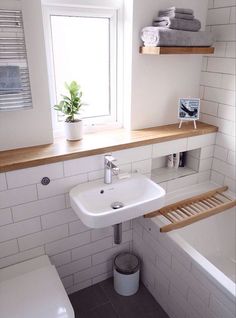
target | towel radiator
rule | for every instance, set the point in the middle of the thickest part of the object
(13, 52)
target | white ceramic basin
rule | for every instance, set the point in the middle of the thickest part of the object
(92, 201)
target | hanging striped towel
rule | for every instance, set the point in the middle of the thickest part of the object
(10, 80)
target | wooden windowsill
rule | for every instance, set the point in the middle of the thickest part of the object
(97, 143)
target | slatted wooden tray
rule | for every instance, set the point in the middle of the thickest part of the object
(193, 209)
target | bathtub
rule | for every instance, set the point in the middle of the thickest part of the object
(218, 247)
(198, 262)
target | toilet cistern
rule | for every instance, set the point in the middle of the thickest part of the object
(109, 168)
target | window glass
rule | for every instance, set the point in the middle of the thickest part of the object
(81, 52)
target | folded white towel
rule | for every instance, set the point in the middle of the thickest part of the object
(149, 38)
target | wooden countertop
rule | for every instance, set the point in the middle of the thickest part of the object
(97, 143)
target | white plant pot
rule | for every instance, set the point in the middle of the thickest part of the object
(74, 130)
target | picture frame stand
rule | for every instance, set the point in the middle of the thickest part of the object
(188, 110)
(194, 123)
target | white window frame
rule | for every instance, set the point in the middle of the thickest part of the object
(115, 119)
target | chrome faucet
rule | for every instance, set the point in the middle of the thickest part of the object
(109, 168)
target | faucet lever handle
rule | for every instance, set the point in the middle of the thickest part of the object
(109, 158)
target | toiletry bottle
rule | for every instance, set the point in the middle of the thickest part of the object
(170, 161)
(176, 160)
(182, 159)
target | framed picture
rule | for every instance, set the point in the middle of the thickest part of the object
(189, 109)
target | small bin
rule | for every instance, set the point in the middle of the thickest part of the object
(126, 274)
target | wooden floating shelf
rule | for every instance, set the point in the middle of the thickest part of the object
(194, 209)
(158, 50)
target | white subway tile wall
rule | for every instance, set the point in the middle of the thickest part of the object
(3, 183)
(34, 175)
(175, 279)
(5, 216)
(201, 141)
(21, 256)
(19, 229)
(16, 196)
(83, 165)
(165, 148)
(218, 84)
(37, 219)
(8, 248)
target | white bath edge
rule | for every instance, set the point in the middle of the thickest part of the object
(217, 277)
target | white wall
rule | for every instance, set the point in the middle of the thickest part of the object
(153, 84)
(158, 81)
(218, 89)
(30, 127)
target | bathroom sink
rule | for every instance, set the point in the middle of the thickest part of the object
(99, 205)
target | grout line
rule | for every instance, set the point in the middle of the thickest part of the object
(41, 224)
(18, 245)
(63, 169)
(220, 118)
(115, 310)
(6, 181)
(221, 24)
(225, 162)
(42, 199)
(226, 6)
(20, 252)
(67, 237)
(100, 305)
(29, 234)
(219, 87)
(221, 58)
(74, 261)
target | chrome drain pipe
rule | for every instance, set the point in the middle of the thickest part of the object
(117, 233)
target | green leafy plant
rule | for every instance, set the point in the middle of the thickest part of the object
(70, 105)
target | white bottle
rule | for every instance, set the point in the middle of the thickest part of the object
(176, 160)
(170, 161)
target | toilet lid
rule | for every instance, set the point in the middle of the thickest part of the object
(37, 294)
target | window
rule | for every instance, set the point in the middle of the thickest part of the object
(83, 47)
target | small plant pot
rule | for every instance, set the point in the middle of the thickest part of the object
(74, 130)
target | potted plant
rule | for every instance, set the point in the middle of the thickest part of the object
(70, 106)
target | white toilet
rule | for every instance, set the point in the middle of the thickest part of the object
(33, 289)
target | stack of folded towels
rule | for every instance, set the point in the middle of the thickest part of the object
(176, 27)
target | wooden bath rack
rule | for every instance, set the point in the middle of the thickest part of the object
(193, 209)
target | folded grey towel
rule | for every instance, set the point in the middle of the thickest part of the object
(177, 10)
(172, 14)
(10, 80)
(178, 24)
(157, 36)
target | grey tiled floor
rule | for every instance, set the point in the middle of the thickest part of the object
(101, 301)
